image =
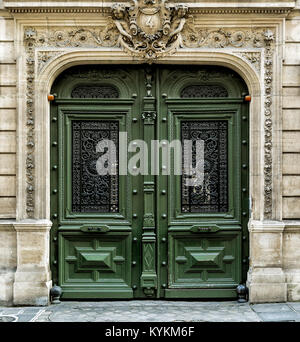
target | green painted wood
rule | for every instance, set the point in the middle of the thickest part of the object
(85, 263)
(198, 263)
(149, 276)
(94, 263)
(149, 248)
(204, 260)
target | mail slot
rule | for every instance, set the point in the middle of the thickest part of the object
(204, 229)
(94, 229)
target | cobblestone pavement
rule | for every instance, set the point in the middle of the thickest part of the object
(154, 311)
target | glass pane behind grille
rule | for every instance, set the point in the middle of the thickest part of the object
(212, 195)
(92, 192)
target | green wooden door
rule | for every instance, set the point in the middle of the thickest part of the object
(147, 234)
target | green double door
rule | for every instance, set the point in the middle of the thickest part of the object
(142, 230)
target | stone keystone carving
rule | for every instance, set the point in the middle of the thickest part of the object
(149, 28)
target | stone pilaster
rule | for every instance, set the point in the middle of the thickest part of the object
(266, 278)
(8, 262)
(291, 257)
(33, 276)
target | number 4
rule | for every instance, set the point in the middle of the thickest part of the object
(149, 22)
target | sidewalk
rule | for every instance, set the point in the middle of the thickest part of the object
(154, 311)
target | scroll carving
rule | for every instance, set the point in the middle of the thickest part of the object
(150, 28)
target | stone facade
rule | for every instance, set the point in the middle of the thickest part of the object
(258, 39)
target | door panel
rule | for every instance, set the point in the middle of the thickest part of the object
(95, 213)
(204, 261)
(201, 255)
(149, 235)
(84, 193)
(93, 223)
(94, 265)
(206, 223)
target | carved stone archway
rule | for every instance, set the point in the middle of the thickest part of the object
(257, 47)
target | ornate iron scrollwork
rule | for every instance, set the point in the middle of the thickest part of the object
(95, 92)
(92, 192)
(212, 195)
(193, 91)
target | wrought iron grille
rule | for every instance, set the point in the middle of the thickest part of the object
(95, 92)
(193, 91)
(92, 192)
(212, 195)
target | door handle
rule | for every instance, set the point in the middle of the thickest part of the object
(94, 229)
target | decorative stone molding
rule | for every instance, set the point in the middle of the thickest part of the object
(284, 11)
(34, 226)
(43, 44)
(30, 38)
(192, 36)
(254, 58)
(150, 28)
(104, 7)
(268, 161)
(43, 57)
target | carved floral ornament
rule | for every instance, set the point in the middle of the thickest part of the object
(149, 30)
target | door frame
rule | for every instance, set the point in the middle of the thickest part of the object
(199, 57)
(174, 107)
(68, 106)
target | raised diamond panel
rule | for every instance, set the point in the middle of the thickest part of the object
(202, 260)
(96, 261)
(100, 258)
